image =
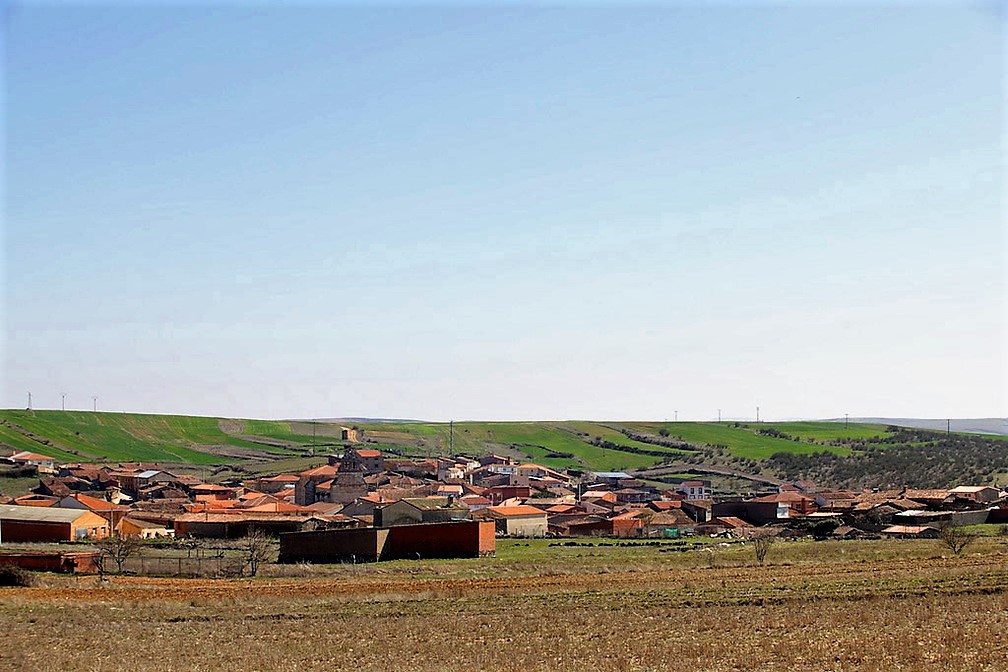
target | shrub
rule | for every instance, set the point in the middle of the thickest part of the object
(11, 576)
(956, 538)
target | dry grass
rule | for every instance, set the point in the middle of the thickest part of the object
(837, 612)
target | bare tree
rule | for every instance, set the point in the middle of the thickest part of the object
(117, 548)
(762, 543)
(955, 537)
(256, 548)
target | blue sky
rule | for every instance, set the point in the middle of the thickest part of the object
(506, 211)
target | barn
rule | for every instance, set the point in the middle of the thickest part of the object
(36, 523)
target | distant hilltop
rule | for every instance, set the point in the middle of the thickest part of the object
(969, 425)
(365, 421)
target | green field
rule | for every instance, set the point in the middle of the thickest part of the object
(260, 444)
(121, 437)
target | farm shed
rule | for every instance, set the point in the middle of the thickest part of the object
(234, 525)
(68, 563)
(517, 521)
(911, 532)
(43, 523)
(464, 539)
(418, 510)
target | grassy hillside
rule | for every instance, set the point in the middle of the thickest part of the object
(123, 437)
(576, 444)
(120, 437)
(830, 452)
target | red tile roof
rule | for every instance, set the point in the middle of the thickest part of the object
(95, 504)
(519, 510)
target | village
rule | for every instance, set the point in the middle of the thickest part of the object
(363, 505)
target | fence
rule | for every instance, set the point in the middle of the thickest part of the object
(172, 565)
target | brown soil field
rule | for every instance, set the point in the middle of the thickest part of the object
(862, 610)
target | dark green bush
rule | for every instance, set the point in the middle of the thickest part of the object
(11, 576)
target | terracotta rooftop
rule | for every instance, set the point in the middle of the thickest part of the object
(517, 511)
(95, 504)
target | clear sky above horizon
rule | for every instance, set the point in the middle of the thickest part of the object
(504, 211)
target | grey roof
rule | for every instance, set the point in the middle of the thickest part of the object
(41, 514)
(611, 474)
(150, 473)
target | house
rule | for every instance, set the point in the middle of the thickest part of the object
(43, 463)
(275, 484)
(795, 503)
(835, 500)
(981, 494)
(44, 523)
(371, 460)
(308, 482)
(113, 513)
(475, 502)
(151, 477)
(629, 523)
(516, 521)
(449, 491)
(671, 523)
(133, 480)
(697, 509)
(695, 489)
(500, 493)
(211, 490)
(368, 460)
(933, 498)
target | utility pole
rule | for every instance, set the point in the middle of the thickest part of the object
(719, 416)
(845, 421)
(451, 437)
(63, 404)
(29, 401)
(757, 415)
(676, 416)
(314, 424)
(948, 427)
(95, 400)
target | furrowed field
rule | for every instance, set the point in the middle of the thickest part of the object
(855, 605)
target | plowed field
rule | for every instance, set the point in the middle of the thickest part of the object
(916, 613)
